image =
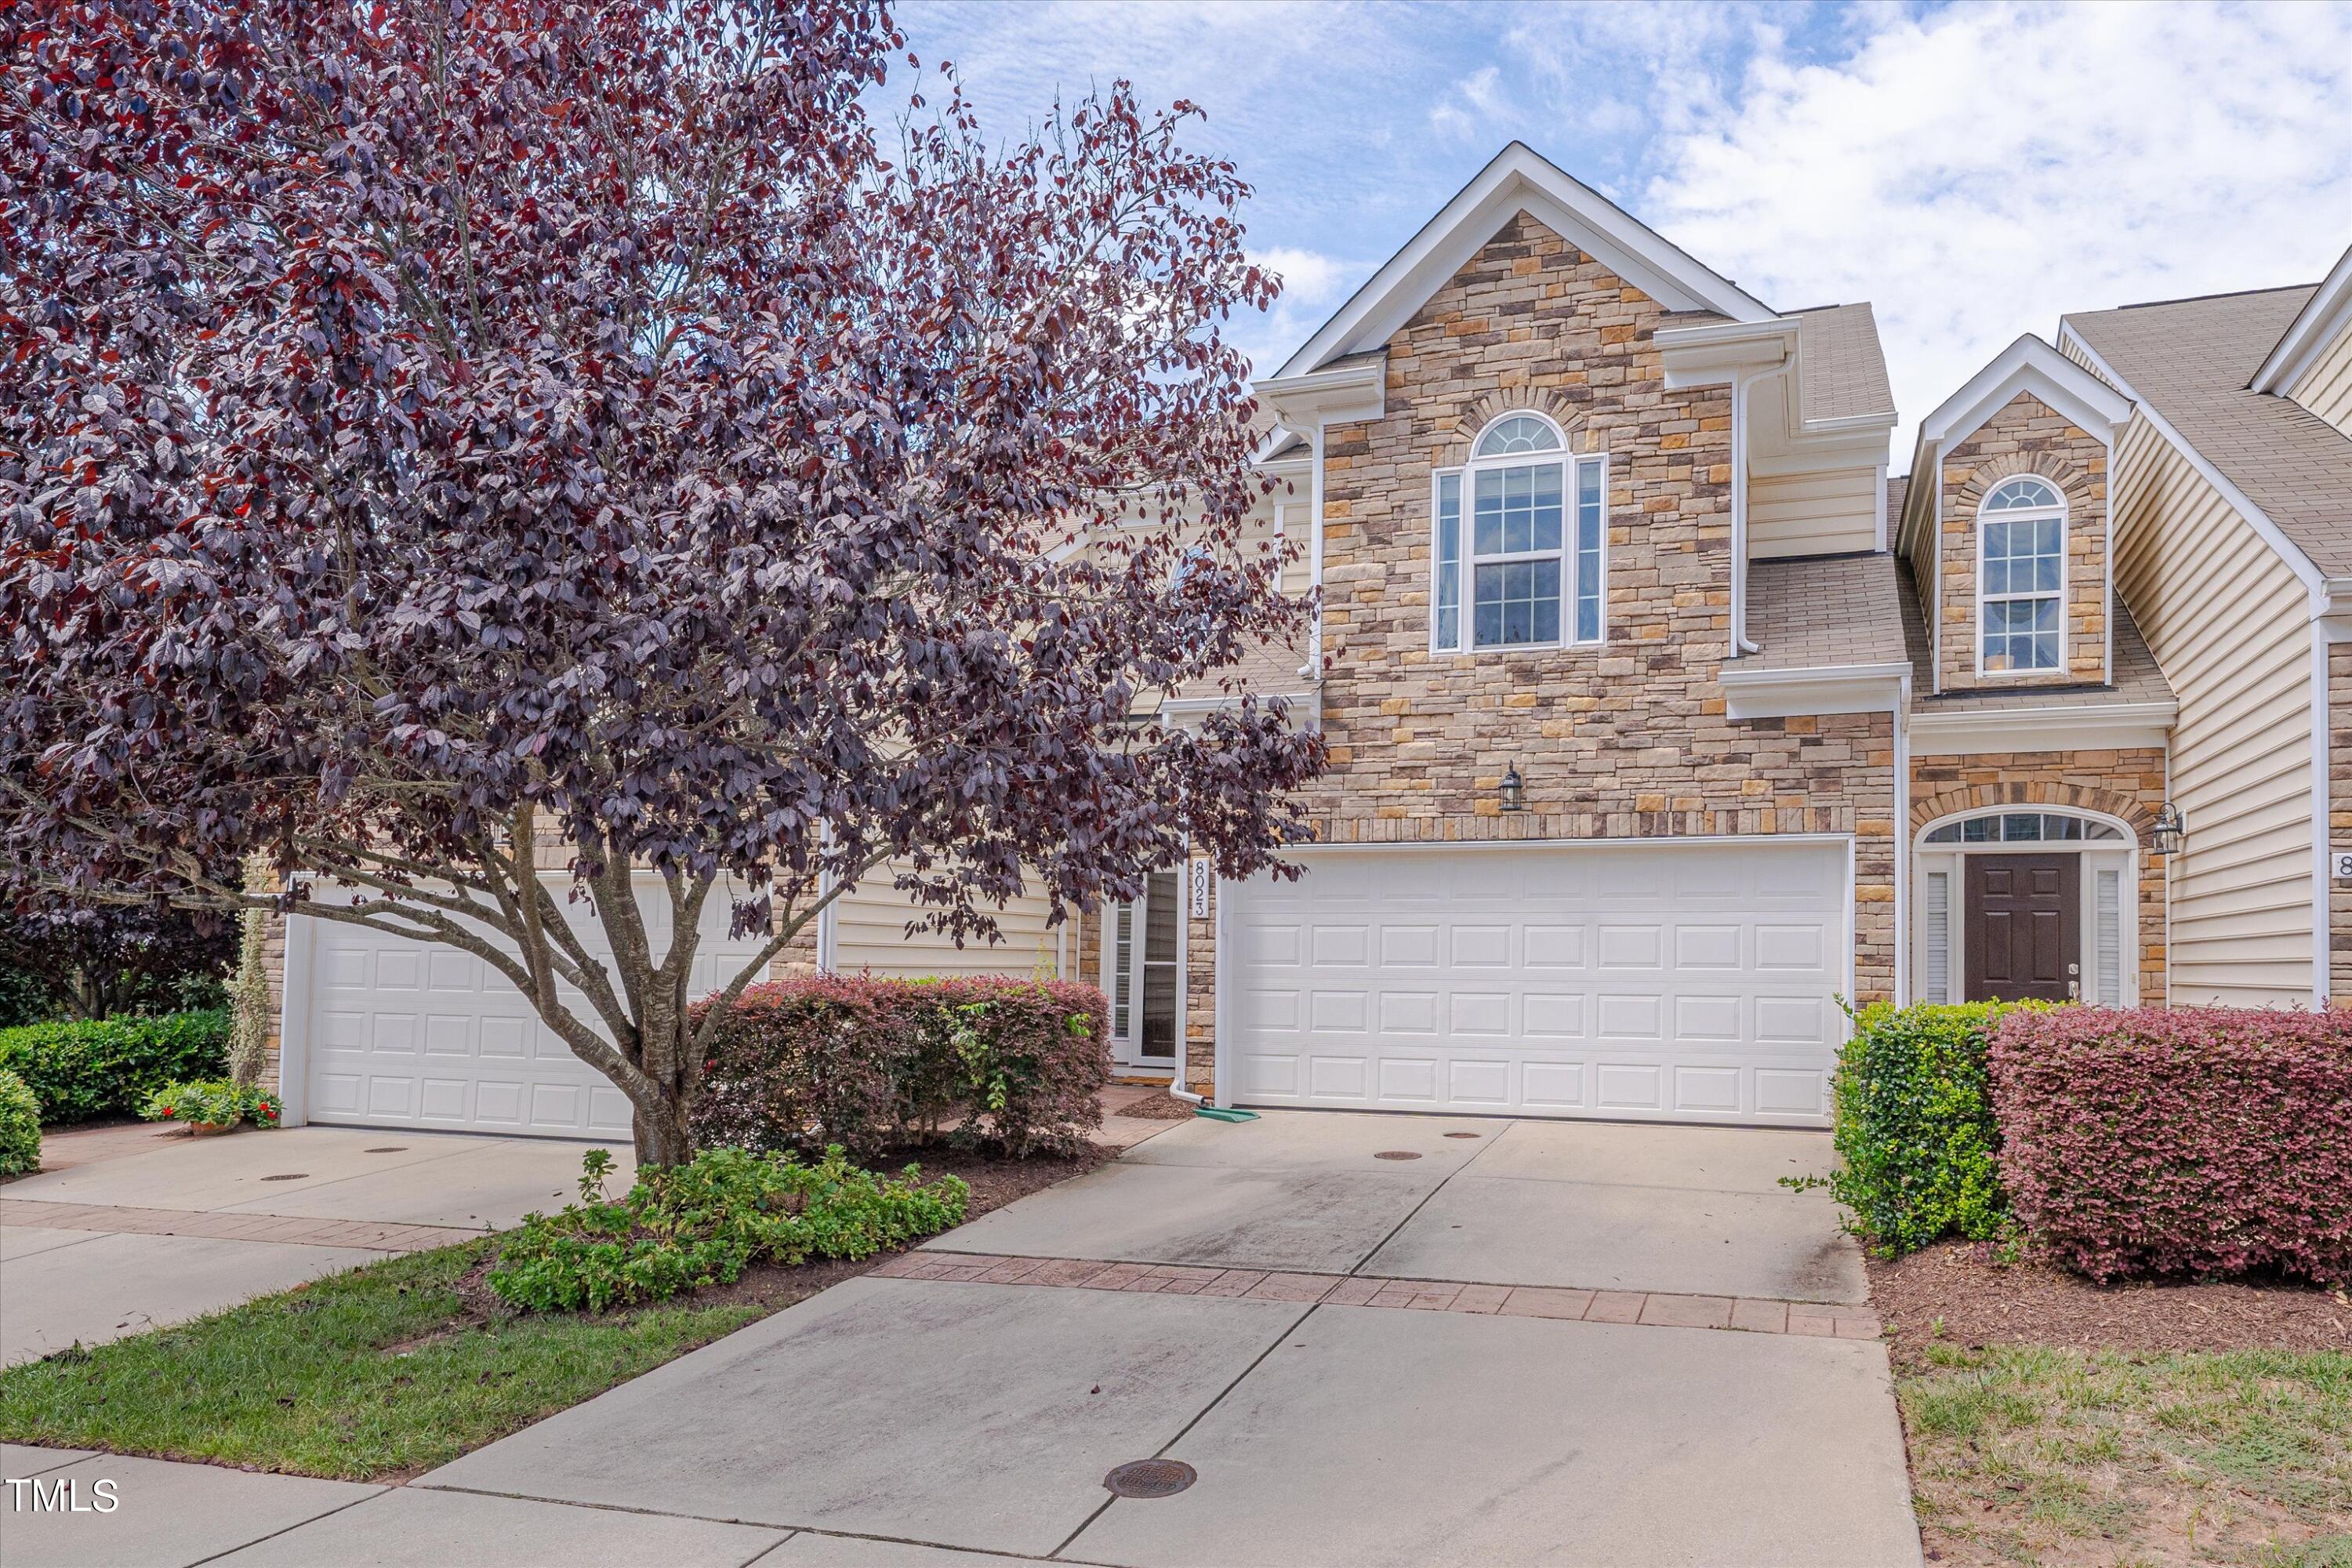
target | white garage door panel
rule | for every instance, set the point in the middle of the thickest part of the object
(1684, 982)
(408, 1034)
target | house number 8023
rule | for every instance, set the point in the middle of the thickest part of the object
(2342, 861)
(1202, 873)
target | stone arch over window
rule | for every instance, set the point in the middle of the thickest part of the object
(1472, 419)
(1965, 798)
(2074, 482)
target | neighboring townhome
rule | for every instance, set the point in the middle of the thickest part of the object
(1661, 720)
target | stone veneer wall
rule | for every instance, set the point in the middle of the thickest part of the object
(2026, 437)
(1625, 739)
(2127, 783)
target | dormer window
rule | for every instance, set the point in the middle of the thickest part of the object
(1526, 561)
(2022, 561)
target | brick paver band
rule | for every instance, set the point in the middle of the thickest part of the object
(1657, 1309)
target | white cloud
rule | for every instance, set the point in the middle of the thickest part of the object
(1470, 108)
(1979, 171)
(1307, 277)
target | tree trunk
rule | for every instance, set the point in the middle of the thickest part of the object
(662, 1135)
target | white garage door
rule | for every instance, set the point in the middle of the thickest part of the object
(1690, 982)
(405, 1034)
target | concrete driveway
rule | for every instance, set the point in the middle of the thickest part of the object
(130, 1229)
(1530, 1342)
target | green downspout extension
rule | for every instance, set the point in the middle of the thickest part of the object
(1224, 1113)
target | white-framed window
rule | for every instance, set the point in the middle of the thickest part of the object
(1517, 552)
(2020, 578)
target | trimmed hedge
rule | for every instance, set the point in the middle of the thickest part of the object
(20, 1126)
(2201, 1141)
(871, 1065)
(109, 1066)
(1915, 1125)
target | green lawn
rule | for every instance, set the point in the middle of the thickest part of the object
(2032, 1455)
(383, 1370)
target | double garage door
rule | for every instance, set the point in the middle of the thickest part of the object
(407, 1034)
(1690, 982)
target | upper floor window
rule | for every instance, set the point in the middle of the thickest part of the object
(2021, 572)
(1523, 568)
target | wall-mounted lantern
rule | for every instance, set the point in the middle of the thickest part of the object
(1514, 790)
(2170, 829)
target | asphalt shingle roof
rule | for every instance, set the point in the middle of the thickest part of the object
(1843, 369)
(1822, 611)
(2137, 677)
(2189, 359)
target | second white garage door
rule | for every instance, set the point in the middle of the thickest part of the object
(411, 1033)
(1691, 982)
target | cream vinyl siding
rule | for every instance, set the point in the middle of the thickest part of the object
(1812, 515)
(869, 936)
(2228, 622)
(2327, 387)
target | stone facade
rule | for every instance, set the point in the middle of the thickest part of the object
(1627, 739)
(2128, 783)
(2027, 435)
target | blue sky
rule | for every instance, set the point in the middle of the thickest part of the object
(1972, 171)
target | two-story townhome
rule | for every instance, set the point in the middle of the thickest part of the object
(1661, 720)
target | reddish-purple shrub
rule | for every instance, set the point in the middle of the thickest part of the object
(2179, 1141)
(1016, 1065)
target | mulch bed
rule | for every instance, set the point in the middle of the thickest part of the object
(1979, 1301)
(1160, 1107)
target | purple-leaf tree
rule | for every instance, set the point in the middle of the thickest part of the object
(432, 432)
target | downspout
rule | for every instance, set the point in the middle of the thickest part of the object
(1902, 841)
(1313, 668)
(1739, 386)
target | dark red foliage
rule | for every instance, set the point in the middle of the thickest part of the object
(425, 429)
(1019, 1064)
(2196, 1140)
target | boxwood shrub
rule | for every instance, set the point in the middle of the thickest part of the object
(1016, 1065)
(83, 1068)
(2191, 1140)
(1916, 1131)
(20, 1126)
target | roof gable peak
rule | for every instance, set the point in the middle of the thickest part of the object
(1518, 180)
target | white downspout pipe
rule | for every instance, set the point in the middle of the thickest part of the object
(1739, 386)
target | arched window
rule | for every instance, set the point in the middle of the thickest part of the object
(2021, 575)
(1526, 563)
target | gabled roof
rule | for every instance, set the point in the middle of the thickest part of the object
(1519, 180)
(2188, 362)
(2327, 317)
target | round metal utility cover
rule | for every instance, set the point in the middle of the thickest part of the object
(289, 1177)
(1396, 1154)
(1151, 1478)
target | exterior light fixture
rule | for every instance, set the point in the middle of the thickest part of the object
(1514, 790)
(2170, 829)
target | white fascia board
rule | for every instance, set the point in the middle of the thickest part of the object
(2268, 531)
(1186, 712)
(2326, 315)
(1347, 392)
(2094, 726)
(2029, 364)
(1717, 352)
(1789, 693)
(1519, 179)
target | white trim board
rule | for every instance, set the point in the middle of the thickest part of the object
(2089, 726)
(2325, 315)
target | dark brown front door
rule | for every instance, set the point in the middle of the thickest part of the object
(2025, 926)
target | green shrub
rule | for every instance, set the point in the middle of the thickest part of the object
(214, 1102)
(20, 1126)
(704, 1222)
(1915, 1134)
(110, 1066)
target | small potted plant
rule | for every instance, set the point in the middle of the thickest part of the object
(208, 1106)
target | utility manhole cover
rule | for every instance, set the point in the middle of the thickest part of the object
(289, 1177)
(1151, 1478)
(1462, 1135)
(387, 1148)
(1396, 1154)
